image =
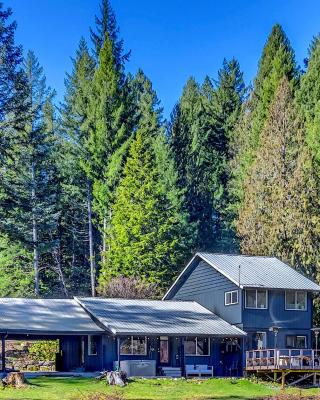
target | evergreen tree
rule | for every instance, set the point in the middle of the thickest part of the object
(148, 233)
(277, 61)
(76, 185)
(106, 24)
(108, 136)
(12, 80)
(202, 127)
(27, 206)
(265, 221)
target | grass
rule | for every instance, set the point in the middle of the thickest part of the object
(49, 388)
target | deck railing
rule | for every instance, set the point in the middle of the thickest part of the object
(282, 359)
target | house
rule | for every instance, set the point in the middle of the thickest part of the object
(147, 337)
(263, 296)
(223, 314)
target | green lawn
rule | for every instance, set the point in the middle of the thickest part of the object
(143, 389)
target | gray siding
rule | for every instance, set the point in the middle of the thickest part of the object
(207, 286)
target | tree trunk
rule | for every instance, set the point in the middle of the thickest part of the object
(35, 232)
(91, 248)
(57, 256)
(16, 379)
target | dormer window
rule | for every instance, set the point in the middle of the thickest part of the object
(256, 299)
(296, 300)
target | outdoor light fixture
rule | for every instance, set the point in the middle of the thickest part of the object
(275, 330)
(316, 332)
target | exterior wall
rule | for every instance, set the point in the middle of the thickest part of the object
(290, 322)
(207, 286)
(218, 358)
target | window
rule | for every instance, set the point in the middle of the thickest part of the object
(296, 300)
(256, 298)
(197, 346)
(231, 298)
(296, 342)
(133, 345)
(92, 345)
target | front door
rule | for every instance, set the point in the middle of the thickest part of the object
(164, 350)
(261, 340)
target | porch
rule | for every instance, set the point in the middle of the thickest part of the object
(279, 359)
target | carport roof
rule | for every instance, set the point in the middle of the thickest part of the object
(45, 316)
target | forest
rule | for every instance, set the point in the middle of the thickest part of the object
(100, 195)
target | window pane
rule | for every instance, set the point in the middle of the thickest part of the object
(228, 297)
(261, 299)
(290, 300)
(125, 346)
(251, 298)
(301, 342)
(290, 341)
(203, 347)
(301, 301)
(190, 346)
(139, 346)
(93, 345)
(235, 297)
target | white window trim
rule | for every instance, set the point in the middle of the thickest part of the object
(199, 355)
(257, 308)
(230, 292)
(296, 337)
(131, 347)
(89, 346)
(295, 300)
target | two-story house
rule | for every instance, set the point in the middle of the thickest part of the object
(263, 296)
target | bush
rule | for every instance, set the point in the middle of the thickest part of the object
(44, 350)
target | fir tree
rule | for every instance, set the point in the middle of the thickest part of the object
(148, 233)
(28, 212)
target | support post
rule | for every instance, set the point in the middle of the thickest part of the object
(275, 376)
(283, 379)
(118, 352)
(182, 357)
(3, 353)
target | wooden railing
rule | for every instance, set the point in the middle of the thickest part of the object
(282, 359)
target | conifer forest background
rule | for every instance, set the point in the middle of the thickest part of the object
(100, 194)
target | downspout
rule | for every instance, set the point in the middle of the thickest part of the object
(118, 351)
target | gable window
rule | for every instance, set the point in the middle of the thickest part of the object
(197, 346)
(231, 298)
(256, 298)
(296, 342)
(296, 300)
(92, 345)
(133, 345)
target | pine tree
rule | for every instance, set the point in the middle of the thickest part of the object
(148, 233)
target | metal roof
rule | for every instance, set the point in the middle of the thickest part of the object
(45, 316)
(156, 317)
(254, 271)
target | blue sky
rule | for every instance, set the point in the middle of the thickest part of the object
(169, 40)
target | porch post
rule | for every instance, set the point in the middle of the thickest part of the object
(3, 353)
(182, 357)
(118, 352)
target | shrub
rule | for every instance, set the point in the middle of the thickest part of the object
(44, 350)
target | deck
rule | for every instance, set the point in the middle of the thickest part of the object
(282, 359)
